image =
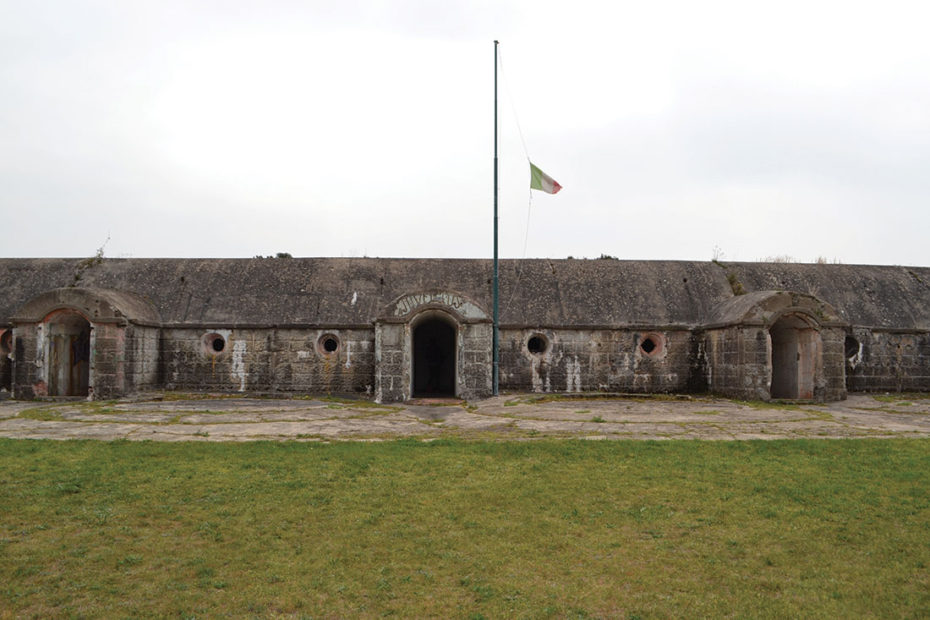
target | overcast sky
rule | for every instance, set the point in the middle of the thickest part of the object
(679, 130)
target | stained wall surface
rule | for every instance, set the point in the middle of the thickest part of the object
(337, 325)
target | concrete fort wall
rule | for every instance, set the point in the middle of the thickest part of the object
(834, 374)
(316, 361)
(27, 361)
(603, 360)
(141, 357)
(260, 325)
(108, 364)
(6, 362)
(887, 361)
(738, 362)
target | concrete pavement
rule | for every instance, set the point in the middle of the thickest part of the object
(173, 417)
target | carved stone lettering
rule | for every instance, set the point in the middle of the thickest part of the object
(408, 303)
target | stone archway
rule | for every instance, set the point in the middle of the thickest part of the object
(462, 334)
(434, 354)
(795, 353)
(6, 366)
(90, 342)
(68, 354)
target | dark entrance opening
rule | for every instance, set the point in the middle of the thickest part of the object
(6, 365)
(68, 355)
(434, 358)
(795, 345)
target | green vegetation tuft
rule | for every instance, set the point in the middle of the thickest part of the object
(560, 528)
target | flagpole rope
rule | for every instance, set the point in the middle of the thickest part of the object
(526, 234)
(513, 107)
(526, 153)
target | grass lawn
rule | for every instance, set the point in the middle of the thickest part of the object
(616, 529)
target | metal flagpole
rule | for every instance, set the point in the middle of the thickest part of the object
(494, 338)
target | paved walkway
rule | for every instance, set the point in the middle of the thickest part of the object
(205, 418)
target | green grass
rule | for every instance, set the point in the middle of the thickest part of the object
(571, 528)
(901, 397)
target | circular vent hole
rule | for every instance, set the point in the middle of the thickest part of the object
(327, 344)
(652, 345)
(536, 345)
(214, 343)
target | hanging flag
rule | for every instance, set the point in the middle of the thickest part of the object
(542, 181)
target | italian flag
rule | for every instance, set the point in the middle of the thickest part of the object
(542, 181)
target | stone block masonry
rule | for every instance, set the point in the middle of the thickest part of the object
(396, 329)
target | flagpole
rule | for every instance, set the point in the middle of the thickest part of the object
(495, 353)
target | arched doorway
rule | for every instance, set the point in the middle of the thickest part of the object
(434, 358)
(6, 366)
(795, 348)
(68, 355)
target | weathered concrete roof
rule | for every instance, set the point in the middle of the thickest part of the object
(534, 292)
(868, 295)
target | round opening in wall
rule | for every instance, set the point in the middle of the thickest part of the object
(537, 344)
(328, 344)
(852, 347)
(6, 342)
(214, 343)
(652, 345)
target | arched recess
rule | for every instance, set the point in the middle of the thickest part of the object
(6, 367)
(776, 344)
(69, 335)
(796, 356)
(433, 372)
(90, 342)
(461, 352)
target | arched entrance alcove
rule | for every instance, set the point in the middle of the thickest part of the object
(434, 356)
(68, 354)
(795, 352)
(432, 343)
(6, 367)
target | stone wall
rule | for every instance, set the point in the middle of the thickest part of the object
(142, 358)
(738, 362)
(834, 376)
(887, 361)
(6, 362)
(268, 360)
(598, 325)
(392, 375)
(475, 380)
(27, 359)
(108, 361)
(601, 360)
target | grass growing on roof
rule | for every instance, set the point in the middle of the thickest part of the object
(446, 528)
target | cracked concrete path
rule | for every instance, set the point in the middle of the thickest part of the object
(168, 417)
